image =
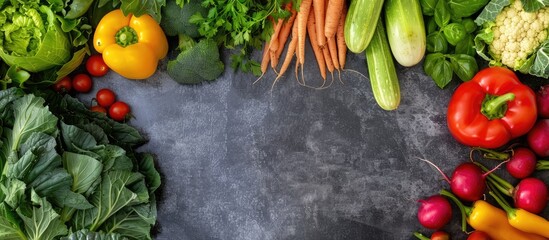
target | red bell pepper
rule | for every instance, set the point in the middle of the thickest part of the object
(491, 109)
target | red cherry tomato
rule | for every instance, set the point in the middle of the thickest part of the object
(64, 85)
(82, 83)
(98, 109)
(105, 97)
(119, 111)
(96, 66)
(440, 235)
(478, 235)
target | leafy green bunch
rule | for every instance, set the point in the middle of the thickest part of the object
(240, 24)
(450, 39)
(68, 173)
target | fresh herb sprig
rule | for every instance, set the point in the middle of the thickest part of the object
(242, 25)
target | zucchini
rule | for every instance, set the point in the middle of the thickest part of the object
(360, 23)
(381, 70)
(405, 31)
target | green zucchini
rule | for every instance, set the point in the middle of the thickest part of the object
(381, 69)
(360, 23)
(405, 31)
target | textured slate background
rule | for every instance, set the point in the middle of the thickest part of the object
(240, 162)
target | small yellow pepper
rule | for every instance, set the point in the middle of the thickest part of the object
(493, 221)
(131, 46)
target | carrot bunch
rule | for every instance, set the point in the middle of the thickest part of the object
(322, 21)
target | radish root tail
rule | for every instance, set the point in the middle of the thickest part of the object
(437, 168)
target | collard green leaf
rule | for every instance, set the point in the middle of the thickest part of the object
(76, 138)
(128, 224)
(534, 5)
(31, 116)
(14, 190)
(490, 11)
(6, 98)
(49, 182)
(85, 234)
(44, 223)
(84, 170)
(70, 200)
(146, 167)
(540, 66)
(9, 230)
(43, 146)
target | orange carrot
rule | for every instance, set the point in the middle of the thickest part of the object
(333, 12)
(302, 18)
(284, 34)
(332, 46)
(311, 28)
(340, 38)
(289, 54)
(265, 59)
(319, 7)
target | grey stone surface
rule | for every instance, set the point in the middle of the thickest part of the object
(240, 162)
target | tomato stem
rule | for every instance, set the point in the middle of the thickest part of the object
(494, 107)
(126, 36)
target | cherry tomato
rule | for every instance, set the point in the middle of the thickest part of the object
(98, 109)
(82, 83)
(119, 111)
(440, 235)
(105, 97)
(478, 235)
(64, 85)
(96, 66)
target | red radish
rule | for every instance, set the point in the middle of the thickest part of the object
(542, 100)
(478, 235)
(522, 163)
(531, 195)
(434, 212)
(538, 138)
(468, 181)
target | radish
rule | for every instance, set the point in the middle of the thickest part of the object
(538, 138)
(521, 160)
(468, 180)
(542, 101)
(434, 212)
(531, 195)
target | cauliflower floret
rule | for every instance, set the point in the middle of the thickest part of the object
(519, 33)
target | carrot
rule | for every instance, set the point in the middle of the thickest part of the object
(302, 18)
(333, 12)
(289, 55)
(284, 34)
(264, 61)
(311, 28)
(332, 46)
(319, 7)
(340, 38)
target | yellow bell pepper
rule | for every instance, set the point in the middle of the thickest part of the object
(131, 46)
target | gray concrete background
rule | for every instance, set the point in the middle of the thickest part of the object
(240, 162)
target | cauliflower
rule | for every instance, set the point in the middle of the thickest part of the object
(517, 37)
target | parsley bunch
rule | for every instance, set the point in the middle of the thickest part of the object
(242, 25)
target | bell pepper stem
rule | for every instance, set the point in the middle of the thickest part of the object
(465, 211)
(494, 107)
(126, 36)
(420, 236)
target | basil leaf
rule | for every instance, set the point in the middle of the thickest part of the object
(438, 68)
(431, 25)
(442, 14)
(454, 32)
(465, 8)
(469, 24)
(428, 7)
(534, 5)
(464, 66)
(466, 46)
(436, 43)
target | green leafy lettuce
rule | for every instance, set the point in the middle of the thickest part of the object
(70, 173)
(37, 36)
